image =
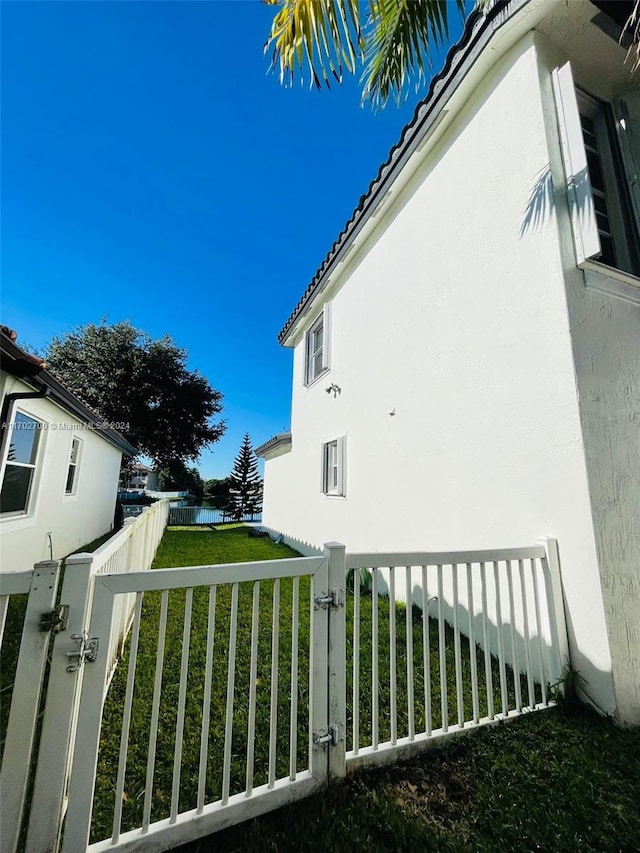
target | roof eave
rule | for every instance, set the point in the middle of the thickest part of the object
(479, 29)
(12, 358)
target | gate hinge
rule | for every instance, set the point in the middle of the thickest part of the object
(87, 650)
(54, 620)
(334, 598)
(329, 736)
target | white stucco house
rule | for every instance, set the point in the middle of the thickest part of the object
(59, 464)
(466, 360)
(143, 478)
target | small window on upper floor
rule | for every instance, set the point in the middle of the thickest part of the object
(317, 347)
(601, 168)
(71, 485)
(20, 465)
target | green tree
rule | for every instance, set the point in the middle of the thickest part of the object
(129, 378)
(217, 491)
(392, 39)
(179, 477)
(246, 487)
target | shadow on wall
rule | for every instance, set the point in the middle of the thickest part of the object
(544, 197)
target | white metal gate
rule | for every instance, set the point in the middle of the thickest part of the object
(249, 711)
(221, 801)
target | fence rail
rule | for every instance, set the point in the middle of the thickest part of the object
(133, 547)
(193, 515)
(258, 682)
(234, 746)
(489, 640)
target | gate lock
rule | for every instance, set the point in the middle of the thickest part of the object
(54, 620)
(87, 650)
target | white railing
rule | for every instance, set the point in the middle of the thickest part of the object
(486, 640)
(41, 586)
(257, 682)
(131, 549)
(193, 515)
(252, 747)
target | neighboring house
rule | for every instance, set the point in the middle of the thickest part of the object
(142, 477)
(60, 464)
(466, 361)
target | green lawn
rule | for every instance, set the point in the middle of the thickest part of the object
(189, 546)
(559, 781)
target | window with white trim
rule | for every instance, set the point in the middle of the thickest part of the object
(71, 485)
(317, 348)
(601, 167)
(333, 467)
(20, 465)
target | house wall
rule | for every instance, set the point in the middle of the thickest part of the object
(452, 347)
(71, 520)
(605, 332)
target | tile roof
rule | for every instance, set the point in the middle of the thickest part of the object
(478, 29)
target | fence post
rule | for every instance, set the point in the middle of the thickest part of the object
(337, 662)
(25, 702)
(318, 669)
(555, 599)
(61, 709)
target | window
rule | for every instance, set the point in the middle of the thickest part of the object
(600, 167)
(333, 467)
(317, 348)
(20, 465)
(72, 471)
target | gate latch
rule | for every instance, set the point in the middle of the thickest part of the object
(54, 620)
(87, 650)
(330, 736)
(334, 598)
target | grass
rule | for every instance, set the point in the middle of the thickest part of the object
(561, 780)
(189, 546)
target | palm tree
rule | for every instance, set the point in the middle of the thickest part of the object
(393, 40)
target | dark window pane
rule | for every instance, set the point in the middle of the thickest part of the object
(71, 475)
(587, 124)
(608, 255)
(600, 204)
(24, 440)
(595, 171)
(15, 488)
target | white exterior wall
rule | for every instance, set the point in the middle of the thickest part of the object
(72, 520)
(605, 332)
(454, 316)
(606, 335)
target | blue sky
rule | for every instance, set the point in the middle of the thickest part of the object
(153, 171)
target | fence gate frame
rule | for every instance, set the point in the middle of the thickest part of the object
(67, 754)
(41, 585)
(327, 706)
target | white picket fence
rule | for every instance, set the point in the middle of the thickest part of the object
(489, 640)
(133, 547)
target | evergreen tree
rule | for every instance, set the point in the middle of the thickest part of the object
(246, 486)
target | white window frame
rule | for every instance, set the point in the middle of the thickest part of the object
(71, 492)
(334, 467)
(34, 466)
(312, 369)
(580, 194)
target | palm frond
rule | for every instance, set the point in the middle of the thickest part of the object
(399, 39)
(632, 27)
(321, 35)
